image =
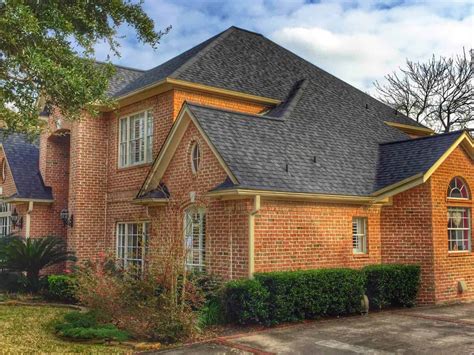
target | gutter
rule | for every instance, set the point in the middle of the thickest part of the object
(252, 214)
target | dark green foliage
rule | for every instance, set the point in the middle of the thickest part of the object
(212, 313)
(208, 285)
(246, 301)
(61, 288)
(311, 294)
(392, 285)
(32, 255)
(48, 50)
(85, 326)
(10, 281)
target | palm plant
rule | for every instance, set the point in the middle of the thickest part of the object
(32, 255)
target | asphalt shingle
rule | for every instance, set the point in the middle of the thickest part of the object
(23, 159)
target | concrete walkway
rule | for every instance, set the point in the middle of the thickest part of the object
(437, 330)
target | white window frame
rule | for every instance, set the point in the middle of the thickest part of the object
(196, 161)
(461, 229)
(190, 237)
(359, 235)
(5, 221)
(125, 154)
(122, 249)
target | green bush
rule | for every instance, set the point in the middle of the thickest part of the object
(212, 313)
(310, 294)
(61, 288)
(10, 281)
(76, 325)
(392, 285)
(246, 301)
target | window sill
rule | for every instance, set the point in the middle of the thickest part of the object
(125, 168)
(459, 253)
(360, 255)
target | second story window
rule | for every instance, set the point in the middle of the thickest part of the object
(136, 139)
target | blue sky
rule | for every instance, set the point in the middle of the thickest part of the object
(358, 41)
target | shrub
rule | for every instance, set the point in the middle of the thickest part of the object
(61, 288)
(310, 294)
(85, 326)
(10, 281)
(143, 305)
(392, 285)
(212, 313)
(246, 301)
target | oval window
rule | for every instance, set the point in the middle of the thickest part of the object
(4, 170)
(195, 158)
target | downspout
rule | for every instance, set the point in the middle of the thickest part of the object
(256, 209)
(28, 219)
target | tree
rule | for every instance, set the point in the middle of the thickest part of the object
(47, 55)
(32, 255)
(438, 93)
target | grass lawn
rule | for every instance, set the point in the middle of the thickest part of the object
(26, 329)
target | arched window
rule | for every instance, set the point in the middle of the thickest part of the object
(195, 157)
(195, 238)
(458, 189)
(459, 217)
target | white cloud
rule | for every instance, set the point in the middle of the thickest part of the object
(357, 41)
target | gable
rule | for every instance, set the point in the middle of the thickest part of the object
(173, 164)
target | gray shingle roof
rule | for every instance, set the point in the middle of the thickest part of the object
(401, 160)
(123, 76)
(23, 159)
(248, 62)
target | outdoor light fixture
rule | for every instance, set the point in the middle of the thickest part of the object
(67, 220)
(17, 221)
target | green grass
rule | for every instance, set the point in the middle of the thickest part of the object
(28, 329)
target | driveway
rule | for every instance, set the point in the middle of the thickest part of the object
(435, 330)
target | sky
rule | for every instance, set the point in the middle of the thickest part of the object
(358, 41)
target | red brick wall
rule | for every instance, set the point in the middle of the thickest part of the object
(310, 235)
(87, 187)
(451, 267)
(407, 235)
(226, 221)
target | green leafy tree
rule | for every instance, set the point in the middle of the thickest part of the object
(32, 255)
(47, 55)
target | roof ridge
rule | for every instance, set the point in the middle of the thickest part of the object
(252, 115)
(216, 39)
(426, 137)
(121, 66)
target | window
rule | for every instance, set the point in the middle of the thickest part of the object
(131, 244)
(4, 170)
(136, 139)
(5, 213)
(458, 189)
(195, 157)
(459, 229)
(359, 235)
(195, 238)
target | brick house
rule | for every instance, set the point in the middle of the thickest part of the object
(254, 160)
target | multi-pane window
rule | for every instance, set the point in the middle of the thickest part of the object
(459, 229)
(131, 244)
(359, 235)
(195, 238)
(5, 213)
(136, 139)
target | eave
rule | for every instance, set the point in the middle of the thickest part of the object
(233, 194)
(418, 131)
(19, 200)
(170, 83)
(150, 201)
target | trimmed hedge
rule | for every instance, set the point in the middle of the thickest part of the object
(245, 302)
(61, 288)
(277, 297)
(311, 294)
(392, 285)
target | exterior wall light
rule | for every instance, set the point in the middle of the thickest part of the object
(17, 221)
(67, 220)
